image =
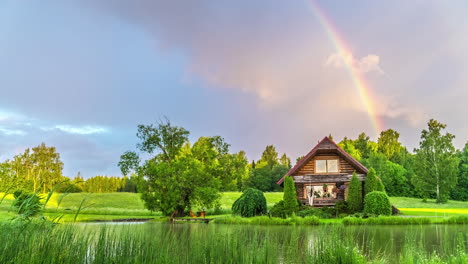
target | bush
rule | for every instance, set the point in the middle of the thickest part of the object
(251, 203)
(27, 204)
(324, 212)
(342, 207)
(355, 194)
(279, 210)
(290, 201)
(69, 188)
(377, 203)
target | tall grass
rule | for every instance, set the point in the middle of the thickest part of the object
(395, 220)
(265, 220)
(165, 243)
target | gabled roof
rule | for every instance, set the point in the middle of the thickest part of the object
(325, 145)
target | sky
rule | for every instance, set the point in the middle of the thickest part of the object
(80, 75)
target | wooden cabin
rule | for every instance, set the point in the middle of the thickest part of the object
(322, 177)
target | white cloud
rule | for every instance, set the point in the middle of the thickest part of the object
(369, 63)
(10, 132)
(81, 130)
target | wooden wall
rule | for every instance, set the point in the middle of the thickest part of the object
(309, 167)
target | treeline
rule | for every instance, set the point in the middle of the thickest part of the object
(98, 184)
(433, 170)
(39, 170)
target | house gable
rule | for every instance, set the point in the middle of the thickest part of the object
(328, 150)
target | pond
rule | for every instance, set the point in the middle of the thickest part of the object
(217, 243)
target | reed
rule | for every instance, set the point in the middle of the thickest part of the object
(43, 242)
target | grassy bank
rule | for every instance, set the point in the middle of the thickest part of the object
(313, 220)
(109, 206)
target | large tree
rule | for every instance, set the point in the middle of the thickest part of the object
(177, 176)
(39, 169)
(436, 162)
(388, 143)
(270, 156)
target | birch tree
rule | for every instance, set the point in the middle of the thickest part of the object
(436, 163)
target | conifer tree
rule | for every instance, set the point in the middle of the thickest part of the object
(355, 194)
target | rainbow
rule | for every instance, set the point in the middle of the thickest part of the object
(342, 49)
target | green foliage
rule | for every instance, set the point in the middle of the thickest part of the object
(363, 145)
(355, 194)
(290, 201)
(377, 203)
(285, 161)
(251, 203)
(388, 143)
(279, 210)
(370, 184)
(264, 178)
(392, 175)
(460, 191)
(379, 186)
(322, 213)
(179, 176)
(27, 204)
(68, 187)
(270, 156)
(38, 170)
(348, 146)
(386, 220)
(436, 163)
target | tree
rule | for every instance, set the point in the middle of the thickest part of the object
(251, 203)
(270, 156)
(348, 146)
(355, 194)
(392, 175)
(39, 169)
(177, 176)
(388, 143)
(372, 182)
(460, 192)
(285, 161)
(362, 144)
(289, 196)
(436, 162)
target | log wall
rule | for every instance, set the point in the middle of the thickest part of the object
(309, 167)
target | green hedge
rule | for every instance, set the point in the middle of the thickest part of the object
(377, 203)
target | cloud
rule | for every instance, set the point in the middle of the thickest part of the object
(81, 130)
(369, 63)
(10, 132)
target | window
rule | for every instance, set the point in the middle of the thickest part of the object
(325, 166)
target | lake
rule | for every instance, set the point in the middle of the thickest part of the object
(217, 243)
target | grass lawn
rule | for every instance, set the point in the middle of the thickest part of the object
(108, 206)
(415, 206)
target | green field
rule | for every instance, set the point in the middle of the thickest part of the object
(108, 206)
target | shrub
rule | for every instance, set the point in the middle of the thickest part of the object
(279, 210)
(290, 201)
(342, 207)
(355, 194)
(27, 204)
(377, 203)
(251, 203)
(69, 188)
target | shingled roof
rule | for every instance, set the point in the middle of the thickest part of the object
(325, 145)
